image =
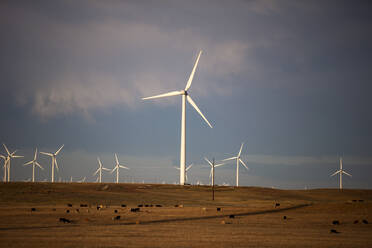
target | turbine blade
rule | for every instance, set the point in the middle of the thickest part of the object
(28, 163)
(172, 93)
(95, 173)
(59, 150)
(240, 151)
(122, 166)
(197, 109)
(230, 158)
(55, 161)
(99, 162)
(189, 82)
(35, 154)
(117, 160)
(241, 161)
(217, 165)
(47, 153)
(176, 168)
(210, 173)
(188, 168)
(2, 156)
(346, 173)
(105, 169)
(39, 165)
(209, 162)
(6, 148)
(17, 156)
(335, 173)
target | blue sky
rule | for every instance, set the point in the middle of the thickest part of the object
(291, 79)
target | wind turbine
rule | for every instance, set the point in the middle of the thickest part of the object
(238, 159)
(34, 162)
(211, 174)
(100, 168)
(82, 180)
(341, 171)
(187, 169)
(185, 96)
(117, 167)
(54, 160)
(7, 161)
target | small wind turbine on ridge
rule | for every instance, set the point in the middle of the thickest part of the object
(238, 159)
(117, 168)
(211, 174)
(54, 160)
(100, 168)
(34, 162)
(187, 169)
(7, 162)
(185, 96)
(341, 171)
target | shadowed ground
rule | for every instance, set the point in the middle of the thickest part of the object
(195, 222)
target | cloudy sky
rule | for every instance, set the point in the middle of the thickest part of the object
(290, 79)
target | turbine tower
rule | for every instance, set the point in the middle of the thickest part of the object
(117, 167)
(185, 96)
(34, 162)
(238, 159)
(100, 168)
(187, 169)
(7, 162)
(341, 171)
(54, 160)
(211, 174)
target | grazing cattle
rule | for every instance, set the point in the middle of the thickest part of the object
(284, 217)
(69, 205)
(218, 209)
(64, 220)
(277, 204)
(67, 211)
(355, 200)
(33, 209)
(361, 200)
(231, 216)
(135, 209)
(115, 211)
(140, 206)
(356, 221)
(146, 206)
(365, 221)
(176, 206)
(116, 217)
(334, 231)
(83, 205)
(158, 206)
(77, 210)
(335, 222)
(123, 205)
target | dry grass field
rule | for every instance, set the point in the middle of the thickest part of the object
(175, 216)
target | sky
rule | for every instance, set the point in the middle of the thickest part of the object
(290, 79)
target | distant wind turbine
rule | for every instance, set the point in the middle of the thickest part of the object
(100, 168)
(7, 161)
(54, 160)
(238, 159)
(185, 96)
(187, 169)
(117, 168)
(341, 171)
(34, 162)
(211, 174)
(82, 180)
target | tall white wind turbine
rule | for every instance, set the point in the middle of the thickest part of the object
(117, 168)
(238, 159)
(211, 174)
(185, 96)
(341, 171)
(7, 162)
(54, 160)
(100, 168)
(186, 170)
(34, 162)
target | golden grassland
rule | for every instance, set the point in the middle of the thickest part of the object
(186, 217)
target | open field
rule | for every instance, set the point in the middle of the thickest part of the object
(195, 222)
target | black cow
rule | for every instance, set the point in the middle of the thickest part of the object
(64, 220)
